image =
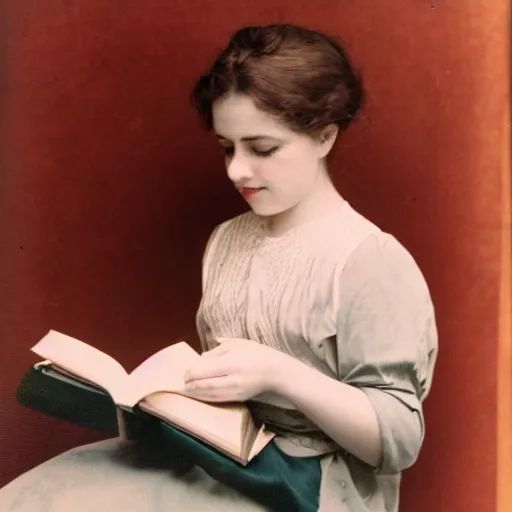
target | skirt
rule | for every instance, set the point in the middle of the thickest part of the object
(116, 475)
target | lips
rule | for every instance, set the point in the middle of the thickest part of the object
(250, 191)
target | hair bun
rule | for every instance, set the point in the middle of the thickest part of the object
(297, 75)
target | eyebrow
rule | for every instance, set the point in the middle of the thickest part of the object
(252, 138)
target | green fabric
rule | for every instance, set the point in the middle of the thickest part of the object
(278, 481)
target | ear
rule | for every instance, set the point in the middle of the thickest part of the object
(327, 139)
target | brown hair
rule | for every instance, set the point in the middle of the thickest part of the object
(302, 77)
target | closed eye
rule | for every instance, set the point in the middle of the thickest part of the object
(266, 153)
(229, 150)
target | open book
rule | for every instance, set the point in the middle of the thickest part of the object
(157, 387)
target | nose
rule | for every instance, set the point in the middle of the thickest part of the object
(238, 169)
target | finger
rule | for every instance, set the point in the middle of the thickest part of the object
(218, 389)
(207, 368)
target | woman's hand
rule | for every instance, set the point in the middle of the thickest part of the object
(235, 371)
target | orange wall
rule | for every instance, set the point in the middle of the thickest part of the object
(110, 189)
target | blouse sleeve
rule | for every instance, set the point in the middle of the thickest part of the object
(387, 343)
(207, 255)
(201, 326)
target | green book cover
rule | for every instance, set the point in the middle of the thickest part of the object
(48, 391)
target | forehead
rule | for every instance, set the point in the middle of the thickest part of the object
(236, 116)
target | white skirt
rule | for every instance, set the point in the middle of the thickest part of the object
(110, 476)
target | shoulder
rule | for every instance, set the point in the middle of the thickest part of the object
(378, 267)
(381, 277)
(229, 233)
(381, 256)
(374, 253)
(243, 223)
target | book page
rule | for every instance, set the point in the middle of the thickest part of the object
(80, 359)
(163, 371)
(218, 425)
(262, 439)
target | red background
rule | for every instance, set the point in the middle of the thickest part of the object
(110, 189)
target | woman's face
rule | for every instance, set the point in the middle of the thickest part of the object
(273, 167)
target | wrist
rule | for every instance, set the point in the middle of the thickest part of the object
(285, 373)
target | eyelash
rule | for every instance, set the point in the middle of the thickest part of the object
(261, 154)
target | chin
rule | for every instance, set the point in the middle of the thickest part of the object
(262, 211)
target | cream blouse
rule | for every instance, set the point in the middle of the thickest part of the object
(346, 298)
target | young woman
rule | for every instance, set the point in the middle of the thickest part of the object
(322, 322)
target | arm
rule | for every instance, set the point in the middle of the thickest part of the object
(387, 346)
(348, 417)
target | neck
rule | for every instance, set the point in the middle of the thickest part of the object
(323, 200)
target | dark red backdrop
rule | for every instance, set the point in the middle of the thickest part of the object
(110, 189)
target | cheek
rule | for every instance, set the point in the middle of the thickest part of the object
(271, 170)
(290, 170)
